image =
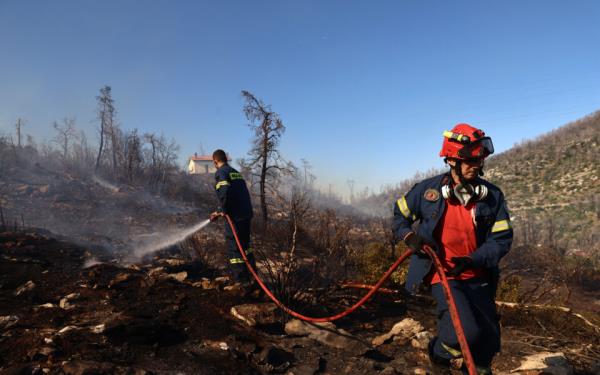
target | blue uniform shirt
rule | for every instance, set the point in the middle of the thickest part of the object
(421, 208)
(233, 193)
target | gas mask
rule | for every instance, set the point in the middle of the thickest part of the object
(464, 193)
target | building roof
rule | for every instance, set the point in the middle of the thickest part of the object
(196, 157)
(201, 158)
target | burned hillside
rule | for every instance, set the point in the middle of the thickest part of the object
(173, 315)
(108, 265)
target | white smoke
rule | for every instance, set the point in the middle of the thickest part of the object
(105, 184)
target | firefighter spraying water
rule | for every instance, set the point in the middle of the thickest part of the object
(464, 230)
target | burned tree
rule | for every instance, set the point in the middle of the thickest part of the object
(18, 125)
(65, 134)
(106, 115)
(133, 154)
(264, 158)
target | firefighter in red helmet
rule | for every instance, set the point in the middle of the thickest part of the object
(465, 220)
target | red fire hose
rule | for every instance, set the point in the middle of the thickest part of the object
(464, 346)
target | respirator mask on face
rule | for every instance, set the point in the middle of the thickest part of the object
(464, 193)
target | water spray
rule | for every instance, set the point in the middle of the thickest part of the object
(158, 241)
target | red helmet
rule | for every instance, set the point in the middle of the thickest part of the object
(466, 142)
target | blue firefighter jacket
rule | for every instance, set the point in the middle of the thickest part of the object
(420, 209)
(233, 193)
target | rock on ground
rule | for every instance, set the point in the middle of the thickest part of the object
(545, 363)
(407, 328)
(327, 334)
(255, 313)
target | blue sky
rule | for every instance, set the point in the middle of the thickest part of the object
(364, 88)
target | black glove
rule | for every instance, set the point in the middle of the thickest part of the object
(416, 242)
(461, 264)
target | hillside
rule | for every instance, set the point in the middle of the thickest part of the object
(551, 184)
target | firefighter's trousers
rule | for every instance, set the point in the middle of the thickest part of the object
(477, 310)
(237, 266)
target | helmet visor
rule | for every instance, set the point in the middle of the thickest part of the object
(481, 148)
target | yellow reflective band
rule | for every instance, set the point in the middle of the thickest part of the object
(453, 352)
(222, 183)
(236, 260)
(403, 206)
(500, 226)
(448, 134)
(249, 251)
(235, 176)
(456, 136)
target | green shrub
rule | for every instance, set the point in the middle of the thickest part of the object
(509, 289)
(375, 261)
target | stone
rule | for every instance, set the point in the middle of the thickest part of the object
(30, 285)
(255, 313)
(547, 363)
(8, 321)
(235, 288)
(215, 345)
(406, 328)
(418, 371)
(66, 329)
(180, 276)
(222, 280)
(327, 334)
(99, 328)
(155, 272)
(175, 262)
(124, 280)
(65, 303)
(421, 340)
(207, 284)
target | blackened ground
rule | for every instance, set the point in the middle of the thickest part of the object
(110, 319)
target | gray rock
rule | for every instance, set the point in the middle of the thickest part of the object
(255, 313)
(8, 321)
(421, 340)
(327, 334)
(65, 303)
(180, 276)
(406, 328)
(30, 285)
(547, 363)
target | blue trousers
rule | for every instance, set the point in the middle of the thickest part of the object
(237, 267)
(477, 310)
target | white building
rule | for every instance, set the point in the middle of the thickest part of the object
(201, 164)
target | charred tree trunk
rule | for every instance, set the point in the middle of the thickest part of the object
(263, 177)
(101, 143)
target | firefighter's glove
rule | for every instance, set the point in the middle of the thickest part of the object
(461, 264)
(416, 243)
(215, 215)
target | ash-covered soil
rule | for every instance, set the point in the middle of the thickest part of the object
(174, 316)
